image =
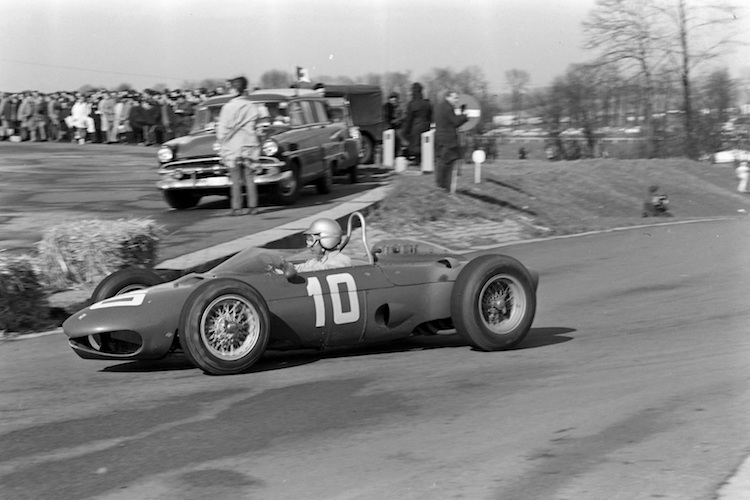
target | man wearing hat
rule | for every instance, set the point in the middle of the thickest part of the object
(239, 142)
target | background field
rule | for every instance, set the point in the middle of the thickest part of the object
(564, 197)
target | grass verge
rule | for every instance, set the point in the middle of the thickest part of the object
(556, 198)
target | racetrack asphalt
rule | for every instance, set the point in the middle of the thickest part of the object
(466, 239)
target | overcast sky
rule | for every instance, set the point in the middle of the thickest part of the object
(63, 44)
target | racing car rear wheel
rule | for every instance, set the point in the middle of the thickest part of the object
(125, 280)
(224, 326)
(493, 302)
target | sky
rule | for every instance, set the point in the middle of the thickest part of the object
(51, 45)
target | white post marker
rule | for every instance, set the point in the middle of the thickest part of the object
(428, 151)
(478, 158)
(389, 147)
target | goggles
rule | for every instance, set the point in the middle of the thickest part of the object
(311, 239)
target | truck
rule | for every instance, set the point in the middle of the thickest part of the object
(366, 105)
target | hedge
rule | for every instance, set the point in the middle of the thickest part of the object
(74, 255)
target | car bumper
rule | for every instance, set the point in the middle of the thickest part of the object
(188, 175)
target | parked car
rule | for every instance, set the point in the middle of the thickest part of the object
(730, 156)
(301, 144)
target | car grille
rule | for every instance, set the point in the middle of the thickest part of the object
(120, 342)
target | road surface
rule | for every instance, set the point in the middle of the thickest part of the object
(634, 383)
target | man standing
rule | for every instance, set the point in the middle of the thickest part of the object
(236, 135)
(418, 120)
(447, 147)
(107, 112)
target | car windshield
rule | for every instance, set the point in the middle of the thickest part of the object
(207, 117)
(257, 260)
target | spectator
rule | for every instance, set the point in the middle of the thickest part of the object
(65, 130)
(656, 203)
(394, 119)
(418, 120)
(39, 118)
(126, 127)
(168, 120)
(151, 120)
(447, 146)
(5, 120)
(237, 137)
(107, 114)
(79, 118)
(184, 116)
(53, 114)
(743, 173)
(25, 112)
(136, 117)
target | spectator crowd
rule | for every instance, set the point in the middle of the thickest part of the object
(102, 116)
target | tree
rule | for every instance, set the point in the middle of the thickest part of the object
(275, 79)
(705, 31)
(627, 34)
(518, 80)
(649, 39)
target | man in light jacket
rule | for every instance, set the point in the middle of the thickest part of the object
(238, 140)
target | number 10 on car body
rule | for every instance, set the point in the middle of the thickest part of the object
(334, 282)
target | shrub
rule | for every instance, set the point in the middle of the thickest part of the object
(83, 252)
(23, 300)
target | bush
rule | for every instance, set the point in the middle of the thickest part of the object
(23, 300)
(81, 253)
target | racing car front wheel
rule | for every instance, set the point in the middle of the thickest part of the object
(224, 326)
(125, 280)
(493, 302)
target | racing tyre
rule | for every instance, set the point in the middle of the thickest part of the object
(181, 200)
(287, 191)
(493, 302)
(325, 183)
(224, 326)
(125, 280)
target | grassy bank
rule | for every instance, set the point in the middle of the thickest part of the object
(553, 198)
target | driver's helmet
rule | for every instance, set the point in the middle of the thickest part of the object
(325, 231)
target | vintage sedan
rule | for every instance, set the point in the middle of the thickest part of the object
(223, 320)
(301, 145)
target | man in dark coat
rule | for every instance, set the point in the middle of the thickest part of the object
(447, 146)
(418, 120)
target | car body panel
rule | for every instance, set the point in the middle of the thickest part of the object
(369, 302)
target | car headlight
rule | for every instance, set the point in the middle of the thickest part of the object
(354, 133)
(165, 154)
(270, 147)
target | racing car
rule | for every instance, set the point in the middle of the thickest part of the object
(224, 319)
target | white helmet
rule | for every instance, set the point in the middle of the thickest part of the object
(326, 231)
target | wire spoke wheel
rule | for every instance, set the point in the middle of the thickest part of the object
(493, 302)
(230, 327)
(224, 326)
(502, 304)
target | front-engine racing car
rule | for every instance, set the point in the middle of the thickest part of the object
(223, 320)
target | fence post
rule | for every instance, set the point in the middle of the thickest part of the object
(389, 146)
(428, 151)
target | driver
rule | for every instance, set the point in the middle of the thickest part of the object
(322, 238)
